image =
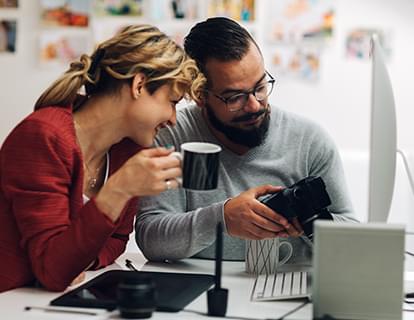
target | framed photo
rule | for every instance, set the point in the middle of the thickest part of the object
(358, 43)
(240, 10)
(294, 21)
(9, 3)
(73, 13)
(8, 35)
(183, 9)
(118, 7)
(296, 62)
(57, 48)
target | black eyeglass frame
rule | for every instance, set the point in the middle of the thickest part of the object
(272, 81)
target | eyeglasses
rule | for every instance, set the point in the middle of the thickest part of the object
(238, 101)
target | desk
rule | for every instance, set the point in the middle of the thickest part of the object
(12, 303)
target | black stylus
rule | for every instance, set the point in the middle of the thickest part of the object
(217, 297)
(219, 254)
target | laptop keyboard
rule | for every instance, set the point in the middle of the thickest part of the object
(281, 286)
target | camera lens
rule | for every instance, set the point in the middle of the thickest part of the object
(136, 297)
(299, 193)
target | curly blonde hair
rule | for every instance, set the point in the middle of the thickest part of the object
(135, 49)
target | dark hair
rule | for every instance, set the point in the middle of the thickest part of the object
(218, 38)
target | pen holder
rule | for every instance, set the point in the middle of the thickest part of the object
(217, 302)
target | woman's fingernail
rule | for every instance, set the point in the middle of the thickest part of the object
(169, 146)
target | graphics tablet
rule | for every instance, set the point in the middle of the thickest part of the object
(174, 290)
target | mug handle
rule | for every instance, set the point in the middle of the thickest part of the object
(289, 255)
(179, 156)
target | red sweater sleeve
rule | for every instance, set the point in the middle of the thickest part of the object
(37, 181)
(116, 244)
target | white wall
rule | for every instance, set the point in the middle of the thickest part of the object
(21, 79)
(339, 101)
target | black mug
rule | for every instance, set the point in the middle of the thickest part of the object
(200, 165)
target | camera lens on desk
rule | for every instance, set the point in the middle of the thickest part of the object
(136, 297)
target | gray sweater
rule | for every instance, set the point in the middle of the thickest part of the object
(181, 223)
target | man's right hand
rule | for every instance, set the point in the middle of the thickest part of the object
(248, 218)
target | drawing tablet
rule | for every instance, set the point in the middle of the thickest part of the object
(174, 290)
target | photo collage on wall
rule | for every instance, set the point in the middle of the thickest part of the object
(170, 16)
(64, 32)
(72, 27)
(298, 32)
(8, 28)
(299, 62)
(295, 35)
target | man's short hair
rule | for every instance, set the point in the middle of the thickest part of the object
(217, 38)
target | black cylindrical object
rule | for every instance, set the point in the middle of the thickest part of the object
(136, 297)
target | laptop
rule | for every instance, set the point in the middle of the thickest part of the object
(358, 270)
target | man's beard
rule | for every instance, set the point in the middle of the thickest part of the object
(247, 137)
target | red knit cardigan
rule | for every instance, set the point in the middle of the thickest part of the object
(47, 233)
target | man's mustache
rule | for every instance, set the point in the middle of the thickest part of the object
(250, 116)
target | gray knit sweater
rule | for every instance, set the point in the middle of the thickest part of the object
(181, 223)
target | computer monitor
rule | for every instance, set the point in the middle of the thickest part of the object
(383, 138)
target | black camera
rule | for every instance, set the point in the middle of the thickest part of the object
(306, 200)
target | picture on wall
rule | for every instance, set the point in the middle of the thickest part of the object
(9, 4)
(240, 10)
(8, 35)
(183, 9)
(293, 21)
(358, 42)
(164, 10)
(118, 7)
(300, 63)
(74, 13)
(58, 48)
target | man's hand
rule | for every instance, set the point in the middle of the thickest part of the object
(248, 218)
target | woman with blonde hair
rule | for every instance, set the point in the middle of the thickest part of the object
(72, 171)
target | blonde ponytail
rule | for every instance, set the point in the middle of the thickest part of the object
(135, 49)
(64, 90)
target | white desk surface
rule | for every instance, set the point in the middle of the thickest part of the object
(12, 303)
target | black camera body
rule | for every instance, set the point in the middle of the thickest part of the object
(306, 200)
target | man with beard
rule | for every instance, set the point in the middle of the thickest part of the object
(264, 149)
